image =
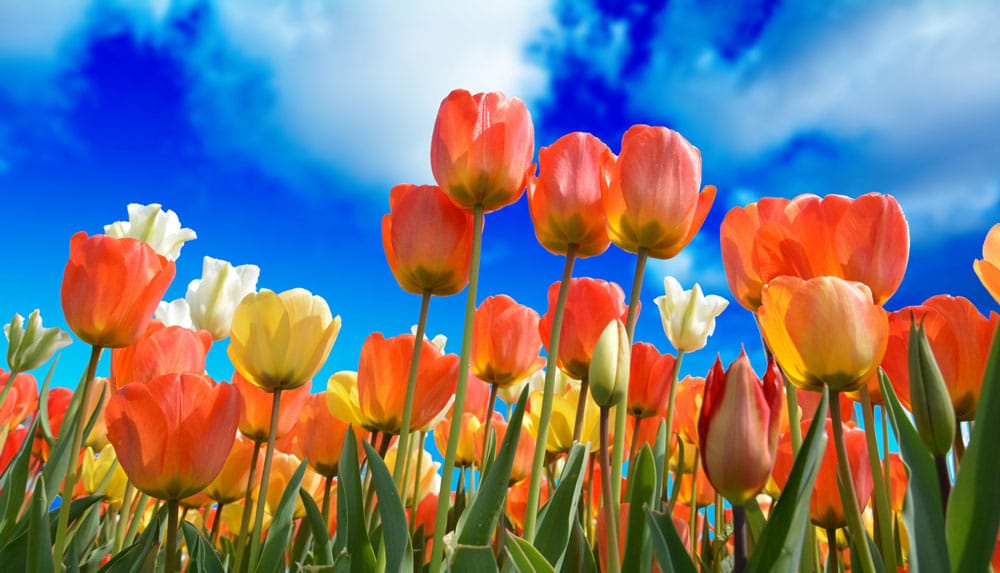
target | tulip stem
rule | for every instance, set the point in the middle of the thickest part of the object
(490, 406)
(581, 407)
(123, 515)
(247, 507)
(327, 490)
(214, 536)
(637, 421)
(848, 494)
(693, 515)
(411, 385)
(416, 485)
(833, 553)
(447, 473)
(671, 399)
(883, 513)
(170, 559)
(739, 538)
(944, 480)
(958, 449)
(138, 513)
(258, 523)
(610, 517)
(74, 468)
(548, 391)
(8, 385)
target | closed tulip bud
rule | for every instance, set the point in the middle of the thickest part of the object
(30, 347)
(213, 298)
(152, 225)
(929, 400)
(609, 366)
(688, 315)
(738, 427)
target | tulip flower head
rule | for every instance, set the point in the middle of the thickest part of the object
(231, 484)
(505, 342)
(255, 409)
(481, 149)
(610, 364)
(21, 400)
(342, 398)
(30, 347)
(213, 298)
(95, 474)
(738, 427)
(650, 378)
(320, 435)
(152, 225)
(280, 341)
(688, 315)
(988, 268)
(161, 350)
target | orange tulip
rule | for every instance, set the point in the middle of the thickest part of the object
(517, 501)
(704, 493)
(899, 480)
(160, 350)
(320, 435)
(284, 466)
(382, 372)
(565, 199)
(427, 240)
(825, 506)
(738, 427)
(11, 445)
(256, 404)
(809, 401)
(111, 287)
(988, 268)
(231, 483)
(651, 196)
(58, 403)
(687, 408)
(505, 342)
(481, 149)
(738, 239)
(650, 377)
(174, 433)
(590, 305)
(523, 456)
(469, 450)
(21, 400)
(823, 331)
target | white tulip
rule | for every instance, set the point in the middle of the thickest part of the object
(174, 313)
(688, 315)
(154, 226)
(213, 298)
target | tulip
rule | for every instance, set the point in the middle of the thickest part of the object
(610, 365)
(696, 483)
(481, 149)
(650, 377)
(102, 474)
(688, 315)
(21, 400)
(988, 268)
(517, 501)
(320, 435)
(342, 398)
(161, 350)
(898, 481)
(213, 298)
(421, 484)
(97, 404)
(174, 313)
(469, 453)
(563, 420)
(565, 199)
(933, 414)
(30, 347)
(152, 225)
(280, 341)
(738, 427)
(651, 196)
(521, 468)
(111, 288)
(823, 331)
(427, 240)
(11, 445)
(382, 373)
(174, 433)
(58, 404)
(283, 468)
(590, 305)
(738, 239)
(505, 342)
(687, 411)
(255, 409)
(233, 480)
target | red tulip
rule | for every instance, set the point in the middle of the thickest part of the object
(58, 404)
(174, 433)
(505, 342)
(650, 377)
(111, 287)
(256, 404)
(160, 350)
(21, 400)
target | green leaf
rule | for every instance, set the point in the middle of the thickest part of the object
(669, 549)
(526, 559)
(323, 551)
(58, 464)
(14, 556)
(555, 522)
(395, 533)
(974, 506)
(352, 531)
(659, 458)
(473, 558)
(922, 508)
(136, 556)
(755, 519)
(641, 483)
(780, 544)
(579, 554)
(202, 557)
(14, 482)
(272, 554)
(39, 536)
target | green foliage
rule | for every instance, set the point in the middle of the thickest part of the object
(555, 522)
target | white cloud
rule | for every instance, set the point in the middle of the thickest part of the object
(699, 262)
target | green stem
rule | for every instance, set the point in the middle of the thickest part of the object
(720, 518)
(848, 494)
(944, 480)
(551, 361)
(327, 491)
(739, 538)
(123, 514)
(672, 398)
(581, 407)
(636, 422)
(214, 536)
(883, 511)
(241, 538)
(138, 513)
(69, 483)
(416, 485)
(958, 449)
(258, 523)
(411, 386)
(488, 421)
(170, 559)
(610, 518)
(618, 453)
(693, 515)
(447, 473)
(833, 554)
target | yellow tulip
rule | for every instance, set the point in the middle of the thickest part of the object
(563, 419)
(280, 341)
(95, 474)
(343, 400)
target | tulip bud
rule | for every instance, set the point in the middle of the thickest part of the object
(213, 298)
(31, 347)
(929, 400)
(609, 365)
(688, 315)
(152, 225)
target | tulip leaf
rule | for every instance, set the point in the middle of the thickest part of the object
(135, 556)
(579, 555)
(659, 458)
(922, 508)
(780, 545)
(202, 557)
(974, 506)
(395, 533)
(352, 531)
(473, 558)
(555, 522)
(272, 554)
(39, 536)
(526, 559)
(57, 466)
(641, 483)
(13, 484)
(323, 550)
(755, 518)
(13, 555)
(669, 549)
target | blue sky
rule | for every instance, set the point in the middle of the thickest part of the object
(275, 131)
